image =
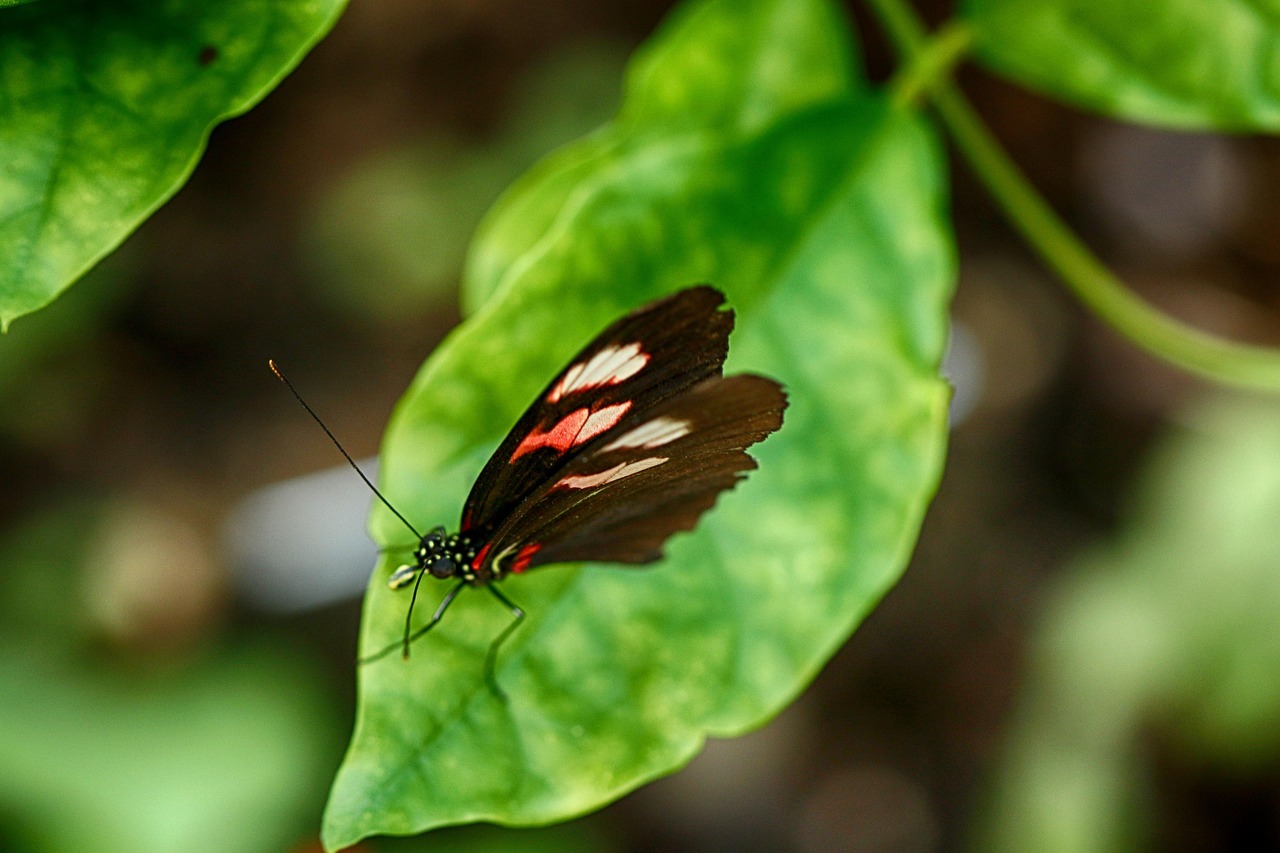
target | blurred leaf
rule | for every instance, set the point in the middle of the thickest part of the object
(223, 757)
(1179, 63)
(822, 220)
(95, 755)
(404, 217)
(104, 109)
(1167, 632)
(39, 590)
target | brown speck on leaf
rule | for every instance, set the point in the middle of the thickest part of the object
(208, 54)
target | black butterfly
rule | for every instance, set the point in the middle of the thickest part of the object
(630, 443)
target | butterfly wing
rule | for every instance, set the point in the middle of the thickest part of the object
(629, 490)
(650, 356)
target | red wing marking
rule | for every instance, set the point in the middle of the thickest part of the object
(525, 556)
(609, 475)
(561, 436)
(479, 558)
(609, 366)
(574, 428)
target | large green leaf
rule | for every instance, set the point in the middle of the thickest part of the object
(104, 109)
(1180, 63)
(824, 226)
(708, 74)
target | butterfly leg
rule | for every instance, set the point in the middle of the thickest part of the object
(410, 637)
(491, 659)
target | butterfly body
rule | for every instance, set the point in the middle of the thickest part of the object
(461, 555)
(629, 444)
(632, 441)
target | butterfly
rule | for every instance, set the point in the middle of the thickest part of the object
(630, 443)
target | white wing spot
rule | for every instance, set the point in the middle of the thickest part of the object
(654, 433)
(611, 365)
(610, 475)
(602, 421)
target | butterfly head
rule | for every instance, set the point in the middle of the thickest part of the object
(430, 556)
(438, 555)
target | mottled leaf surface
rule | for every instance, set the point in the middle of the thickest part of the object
(821, 216)
(104, 110)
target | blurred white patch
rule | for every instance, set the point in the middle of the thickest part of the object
(964, 366)
(152, 578)
(302, 543)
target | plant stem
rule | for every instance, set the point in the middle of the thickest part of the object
(1097, 287)
(933, 63)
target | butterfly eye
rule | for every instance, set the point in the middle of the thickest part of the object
(433, 540)
(442, 568)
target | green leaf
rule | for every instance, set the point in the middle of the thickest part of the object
(1179, 63)
(825, 227)
(104, 110)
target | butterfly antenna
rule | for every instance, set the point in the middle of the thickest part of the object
(271, 363)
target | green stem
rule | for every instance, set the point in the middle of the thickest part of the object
(1192, 349)
(933, 63)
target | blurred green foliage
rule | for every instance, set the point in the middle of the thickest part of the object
(403, 219)
(49, 385)
(104, 110)
(758, 164)
(1193, 64)
(749, 152)
(223, 749)
(1165, 634)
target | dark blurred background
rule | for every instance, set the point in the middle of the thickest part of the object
(150, 458)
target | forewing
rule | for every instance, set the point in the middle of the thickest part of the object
(647, 357)
(623, 497)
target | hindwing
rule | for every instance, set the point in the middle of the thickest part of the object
(626, 494)
(646, 358)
